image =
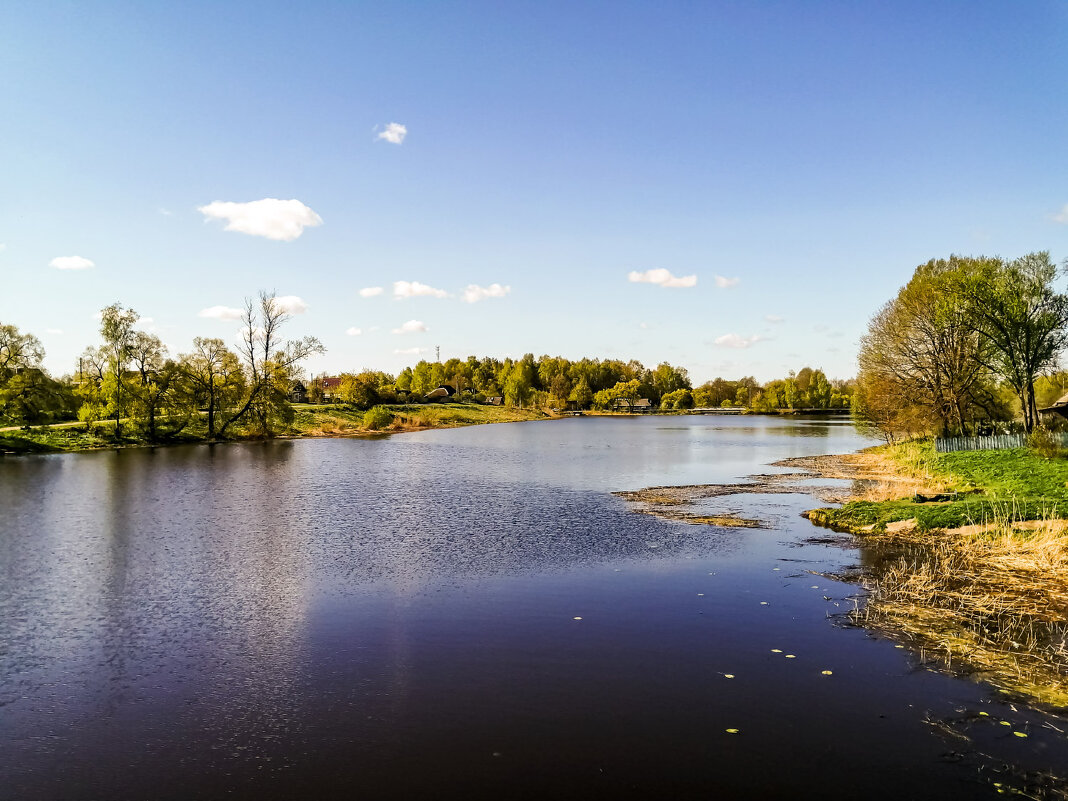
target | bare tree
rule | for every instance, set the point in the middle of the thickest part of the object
(270, 361)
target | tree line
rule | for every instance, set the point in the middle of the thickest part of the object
(554, 382)
(967, 343)
(131, 380)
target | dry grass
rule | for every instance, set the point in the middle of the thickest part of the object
(990, 598)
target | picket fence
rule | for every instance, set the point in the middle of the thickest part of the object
(994, 442)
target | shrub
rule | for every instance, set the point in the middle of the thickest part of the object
(1044, 443)
(377, 417)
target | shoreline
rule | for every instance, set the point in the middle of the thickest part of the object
(986, 599)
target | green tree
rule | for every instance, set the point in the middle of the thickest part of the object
(215, 373)
(271, 363)
(116, 327)
(1016, 310)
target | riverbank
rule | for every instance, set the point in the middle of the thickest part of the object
(308, 421)
(970, 559)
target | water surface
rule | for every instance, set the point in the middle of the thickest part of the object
(457, 614)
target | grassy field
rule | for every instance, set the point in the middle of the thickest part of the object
(309, 421)
(990, 485)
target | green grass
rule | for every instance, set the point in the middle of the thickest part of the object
(1008, 485)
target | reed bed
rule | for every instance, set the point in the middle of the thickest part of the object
(989, 599)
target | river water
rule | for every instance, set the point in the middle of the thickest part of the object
(465, 613)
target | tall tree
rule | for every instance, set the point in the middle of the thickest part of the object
(270, 362)
(215, 373)
(116, 327)
(1015, 309)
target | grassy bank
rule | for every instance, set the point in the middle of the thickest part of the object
(979, 580)
(983, 487)
(309, 421)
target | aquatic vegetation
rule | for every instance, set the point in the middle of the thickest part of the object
(990, 600)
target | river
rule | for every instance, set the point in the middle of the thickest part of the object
(465, 613)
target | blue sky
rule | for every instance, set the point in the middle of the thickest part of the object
(809, 155)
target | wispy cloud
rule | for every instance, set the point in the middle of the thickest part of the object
(221, 313)
(414, 289)
(774, 318)
(282, 220)
(736, 341)
(291, 304)
(474, 293)
(411, 327)
(394, 133)
(662, 277)
(353, 332)
(371, 291)
(1061, 216)
(70, 263)
(726, 283)
(411, 351)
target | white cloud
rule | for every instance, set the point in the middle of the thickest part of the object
(412, 289)
(727, 283)
(643, 325)
(3, 246)
(291, 304)
(474, 293)
(394, 133)
(411, 327)
(735, 341)
(371, 291)
(56, 331)
(166, 212)
(282, 220)
(411, 351)
(1061, 216)
(222, 313)
(353, 332)
(774, 318)
(70, 263)
(661, 277)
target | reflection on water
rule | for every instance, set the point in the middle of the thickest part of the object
(449, 613)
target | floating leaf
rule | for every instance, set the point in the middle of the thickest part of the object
(732, 731)
(791, 656)
(728, 675)
(700, 594)
(776, 650)
(826, 672)
(576, 618)
(984, 714)
(763, 603)
(1005, 723)
(1019, 734)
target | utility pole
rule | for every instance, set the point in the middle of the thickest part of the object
(437, 353)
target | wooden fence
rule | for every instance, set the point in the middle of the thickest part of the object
(994, 442)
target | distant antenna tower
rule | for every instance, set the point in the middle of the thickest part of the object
(437, 352)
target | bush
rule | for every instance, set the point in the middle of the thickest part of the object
(1044, 443)
(377, 418)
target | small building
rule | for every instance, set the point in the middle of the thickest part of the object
(641, 405)
(331, 386)
(440, 393)
(1060, 407)
(494, 400)
(298, 393)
